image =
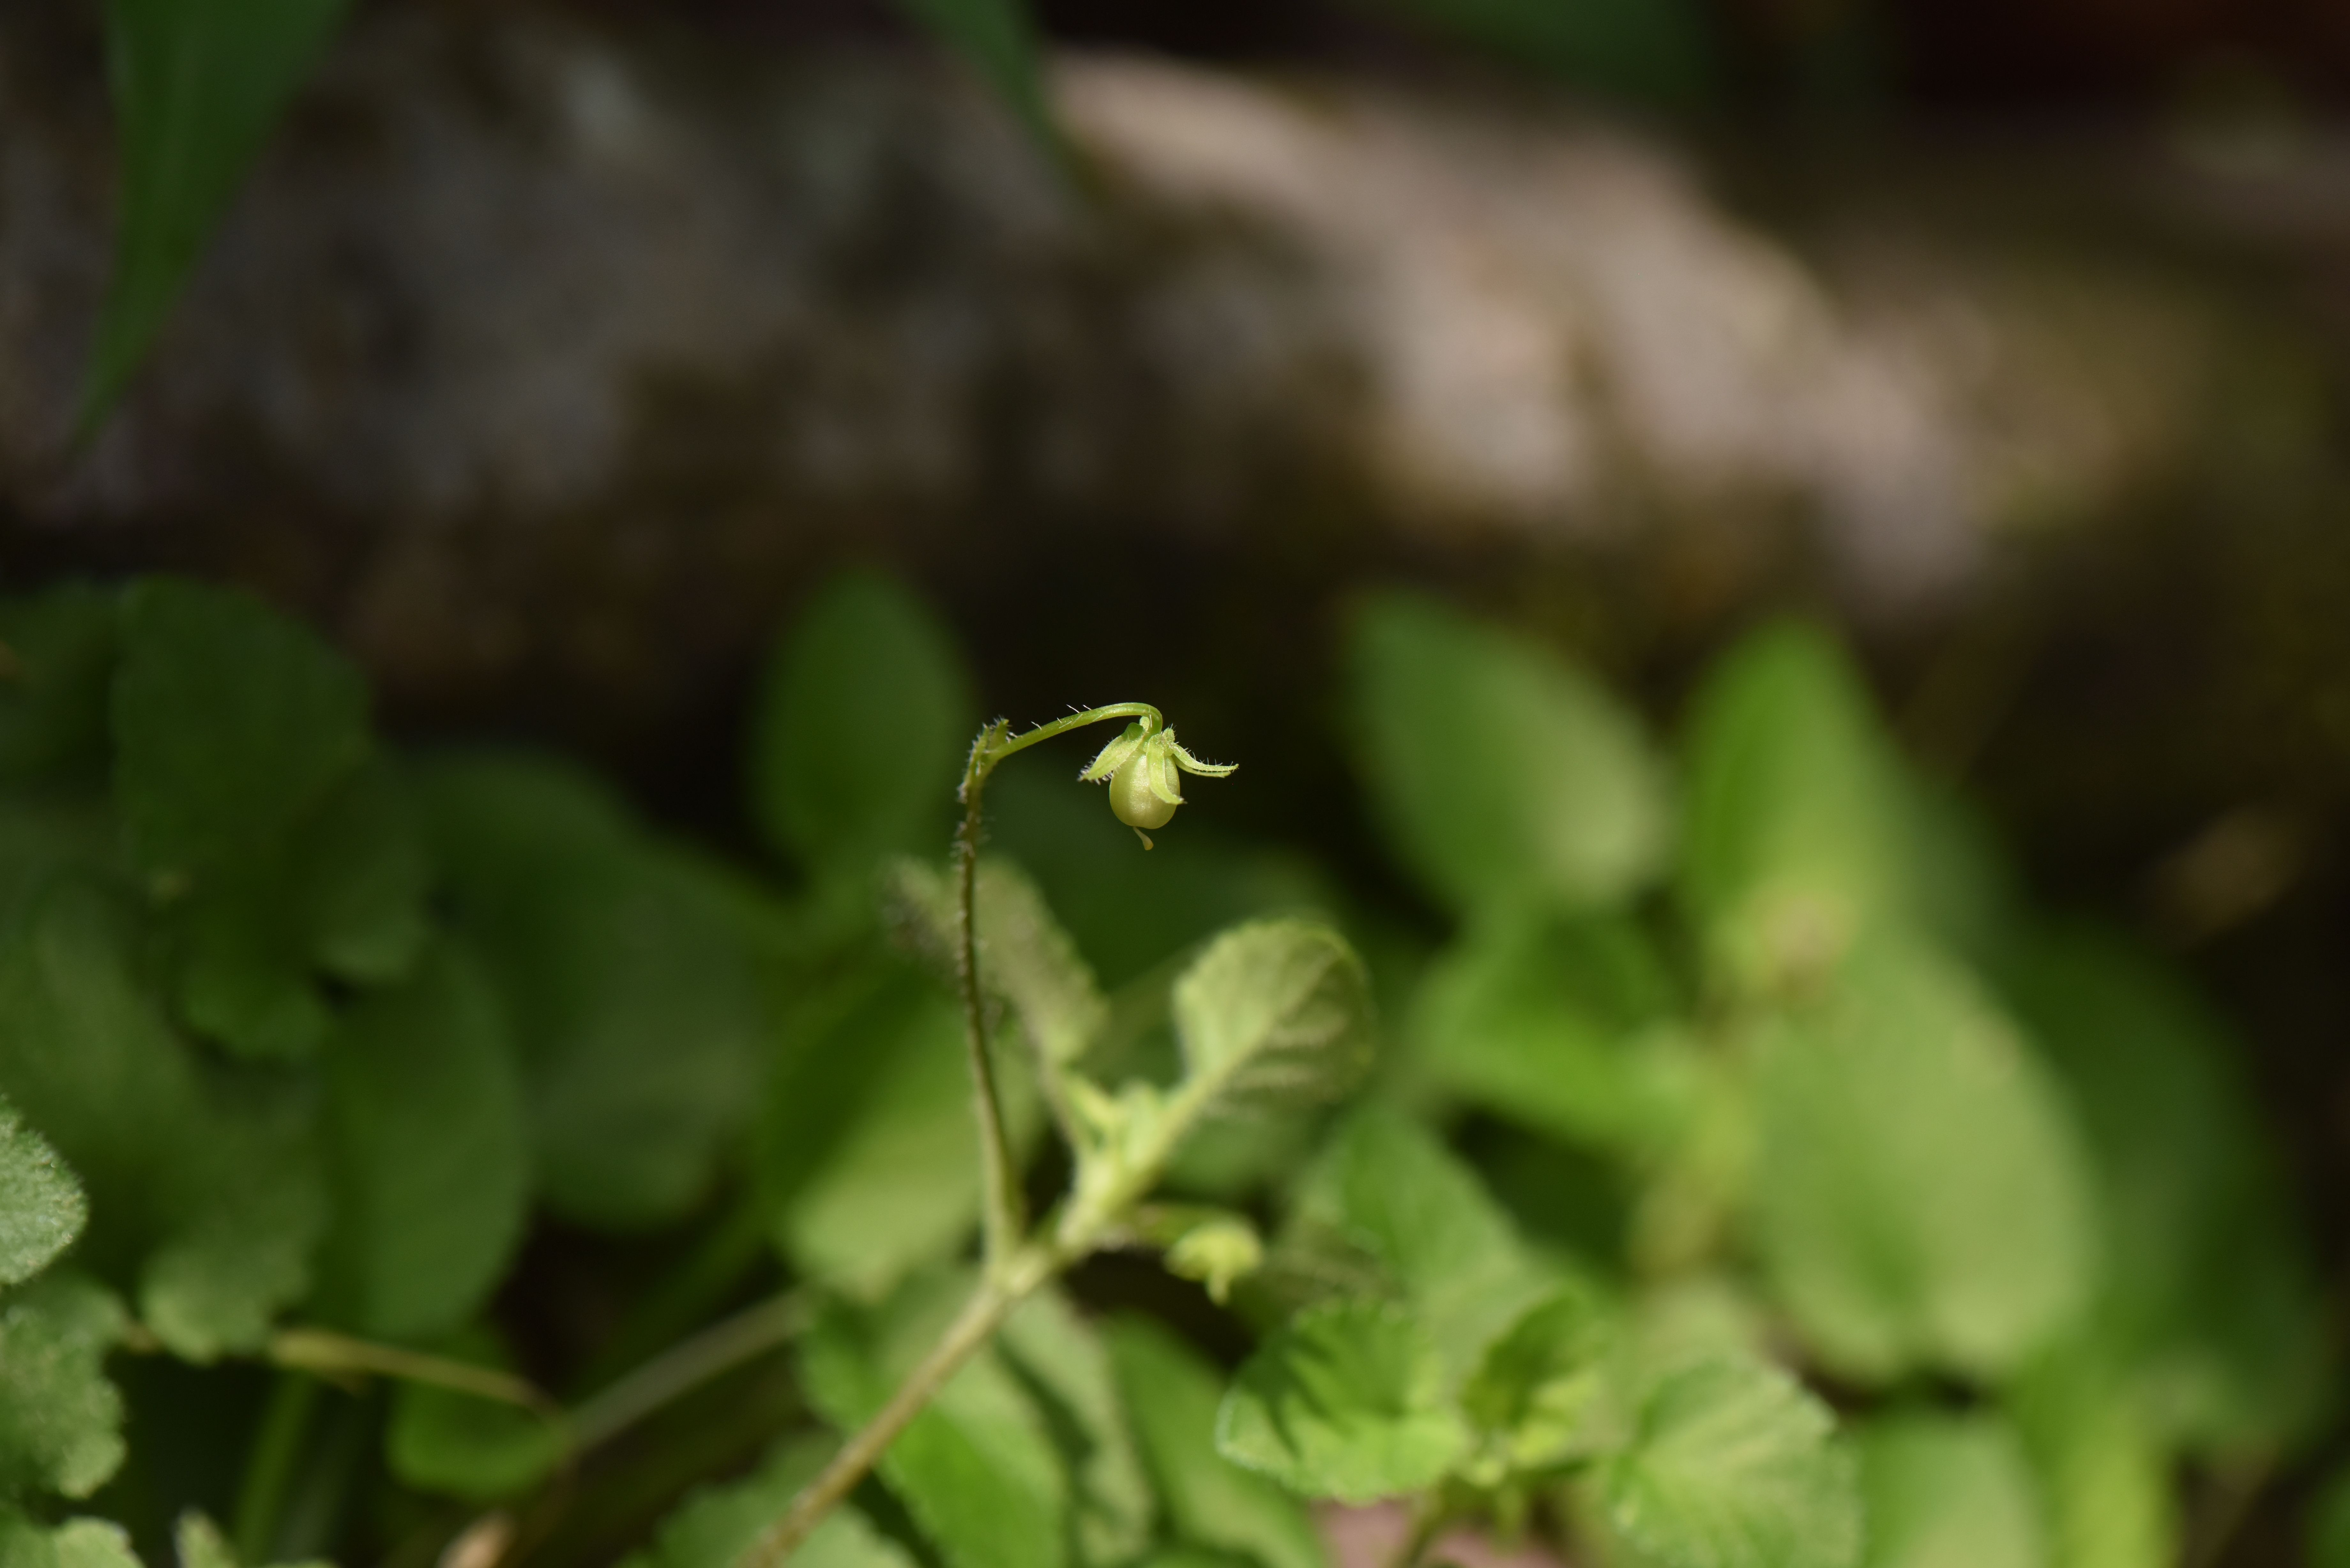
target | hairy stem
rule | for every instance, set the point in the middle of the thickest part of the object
(1015, 1268)
(1004, 1222)
(982, 1315)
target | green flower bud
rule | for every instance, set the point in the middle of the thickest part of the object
(1141, 766)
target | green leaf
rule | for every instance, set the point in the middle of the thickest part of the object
(862, 729)
(893, 1188)
(430, 1155)
(1559, 1025)
(61, 647)
(998, 39)
(203, 1184)
(231, 722)
(1502, 773)
(202, 1545)
(2210, 1297)
(1732, 1465)
(76, 1543)
(1024, 956)
(60, 1419)
(978, 1468)
(1948, 1492)
(1347, 1402)
(42, 1208)
(626, 976)
(2106, 1484)
(1798, 815)
(717, 1524)
(365, 874)
(1650, 51)
(1061, 1363)
(197, 85)
(1922, 1199)
(244, 979)
(1275, 1014)
(1171, 1394)
(1386, 1185)
(1543, 1394)
(464, 1445)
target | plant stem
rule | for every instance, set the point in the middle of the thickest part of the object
(331, 1354)
(1004, 1220)
(1015, 1270)
(269, 1472)
(1003, 1215)
(687, 1365)
(982, 1315)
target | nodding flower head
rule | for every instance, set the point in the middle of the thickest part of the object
(1142, 767)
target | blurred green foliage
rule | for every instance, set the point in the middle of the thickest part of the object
(1718, 1068)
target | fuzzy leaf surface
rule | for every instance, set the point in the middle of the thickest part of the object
(76, 1543)
(1386, 1185)
(42, 1208)
(1923, 1199)
(1346, 1401)
(60, 1419)
(1171, 1394)
(1024, 955)
(1275, 1014)
(1732, 1465)
(1502, 774)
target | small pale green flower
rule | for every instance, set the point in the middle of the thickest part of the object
(1143, 767)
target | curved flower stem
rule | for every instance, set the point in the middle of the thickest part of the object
(1016, 1267)
(1005, 1220)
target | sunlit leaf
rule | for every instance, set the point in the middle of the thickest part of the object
(1556, 1026)
(1543, 1394)
(1171, 1396)
(1386, 1185)
(1346, 1402)
(1732, 1465)
(2105, 1480)
(76, 1543)
(1502, 773)
(1922, 1196)
(1948, 1492)
(1275, 1012)
(197, 85)
(1061, 1361)
(1798, 814)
